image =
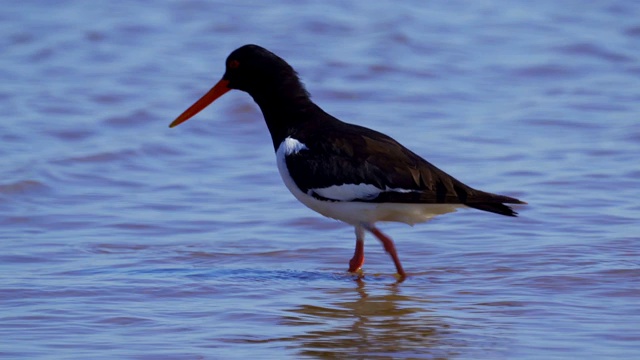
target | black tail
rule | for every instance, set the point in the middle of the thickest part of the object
(495, 204)
(497, 208)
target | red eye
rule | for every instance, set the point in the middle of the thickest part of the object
(233, 64)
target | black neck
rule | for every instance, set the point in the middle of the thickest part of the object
(284, 108)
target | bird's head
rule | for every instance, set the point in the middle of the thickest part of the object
(252, 69)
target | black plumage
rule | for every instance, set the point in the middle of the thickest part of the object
(342, 153)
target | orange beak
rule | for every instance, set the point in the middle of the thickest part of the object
(216, 91)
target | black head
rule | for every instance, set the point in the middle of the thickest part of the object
(252, 68)
(261, 73)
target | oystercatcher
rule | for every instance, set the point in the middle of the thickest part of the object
(343, 171)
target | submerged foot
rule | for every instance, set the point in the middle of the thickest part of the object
(355, 264)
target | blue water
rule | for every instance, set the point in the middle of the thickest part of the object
(122, 238)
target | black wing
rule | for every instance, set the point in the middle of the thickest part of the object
(351, 154)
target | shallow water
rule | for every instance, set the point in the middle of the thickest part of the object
(122, 238)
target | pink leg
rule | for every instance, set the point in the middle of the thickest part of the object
(389, 247)
(358, 257)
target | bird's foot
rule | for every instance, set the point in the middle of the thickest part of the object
(357, 260)
(400, 277)
(355, 264)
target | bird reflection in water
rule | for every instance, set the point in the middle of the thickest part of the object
(380, 323)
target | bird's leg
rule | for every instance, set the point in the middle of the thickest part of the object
(358, 257)
(388, 247)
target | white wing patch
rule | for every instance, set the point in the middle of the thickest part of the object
(350, 192)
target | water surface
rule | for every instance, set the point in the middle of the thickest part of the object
(122, 238)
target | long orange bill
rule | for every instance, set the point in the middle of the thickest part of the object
(216, 91)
